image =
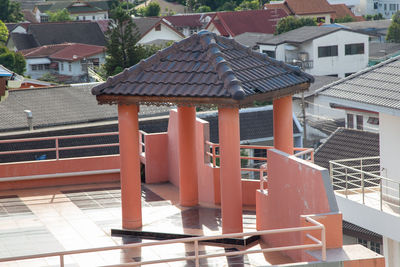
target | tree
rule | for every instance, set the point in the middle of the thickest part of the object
(203, 9)
(122, 50)
(393, 34)
(59, 15)
(3, 32)
(152, 10)
(10, 11)
(290, 23)
(248, 5)
(228, 6)
(13, 61)
(345, 19)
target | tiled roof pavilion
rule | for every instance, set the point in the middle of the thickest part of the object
(204, 69)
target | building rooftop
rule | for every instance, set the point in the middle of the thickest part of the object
(190, 20)
(341, 11)
(383, 50)
(300, 35)
(347, 143)
(374, 89)
(145, 24)
(251, 39)
(238, 22)
(305, 7)
(59, 106)
(66, 51)
(204, 67)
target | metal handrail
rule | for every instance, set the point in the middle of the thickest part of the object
(57, 148)
(317, 244)
(352, 179)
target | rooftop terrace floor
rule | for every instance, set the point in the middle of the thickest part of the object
(75, 217)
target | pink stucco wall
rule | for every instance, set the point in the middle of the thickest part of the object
(295, 188)
(59, 166)
(156, 157)
(173, 148)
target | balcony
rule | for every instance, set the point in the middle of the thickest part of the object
(302, 64)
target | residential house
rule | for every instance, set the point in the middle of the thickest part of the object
(376, 90)
(79, 10)
(319, 9)
(167, 8)
(40, 34)
(189, 24)
(342, 11)
(373, 7)
(156, 31)
(68, 60)
(320, 51)
(231, 24)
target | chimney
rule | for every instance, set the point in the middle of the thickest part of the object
(29, 117)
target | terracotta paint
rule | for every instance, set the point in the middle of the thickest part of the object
(230, 177)
(130, 166)
(156, 149)
(283, 124)
(173, 148)
(188, 194)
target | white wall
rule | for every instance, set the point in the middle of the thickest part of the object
(342, 63)
(166, 33)
(366, 7)
(389, 133)
(89, 16)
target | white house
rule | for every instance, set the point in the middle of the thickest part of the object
(320, 51)
(69, 60)
(153, 30)
(377, 208)
(373, 7)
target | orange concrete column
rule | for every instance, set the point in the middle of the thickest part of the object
(188, 193)
(230, 177)
(283, 124)
(130, 166)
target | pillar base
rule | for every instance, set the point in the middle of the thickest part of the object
(126, 224)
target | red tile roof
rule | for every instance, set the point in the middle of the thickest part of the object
(342, 10)
(305, 7)
(235, 23)
(66, 51)
(279, 6)
(185, 20)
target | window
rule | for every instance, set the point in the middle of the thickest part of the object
(158, 27)
(44, 18)
(375, 5)
(269, 53)
(392, 7)
(373, 120)
(385, 6)
(328, 51)
(46, 66)
(69, 67)
(40, 67)
(93, 17)
(362, 242)
(359, 122)
(34, 67)
(354, 49)
(321, 19)
(84, 17)
(350, 121)
(333, 75)
(77, 18)
(376, 247)
(62, 66)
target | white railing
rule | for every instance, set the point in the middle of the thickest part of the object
(362, 176)
(253, 166)
(316, 244)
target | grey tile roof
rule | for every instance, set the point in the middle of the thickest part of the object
(23, 41)
(347, 143)
(383, 50)
(251, 39)
(67, 32)
(357, 231)
(57, 106)
(319, 82)
(205, 65)
(376, 88)
(299, 35)
(145, 24)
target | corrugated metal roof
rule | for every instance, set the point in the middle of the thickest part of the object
(376, 88)
(205, 65)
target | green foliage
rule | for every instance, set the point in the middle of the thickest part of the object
(10, 11)
(374, 17)
(393, 34)
(228, 6)
(3, 32)
(248, 5)
(345, 19)
(203, 9)
(13, 61)
(59, 15)
(290, 23)
(152, 10)
(48, 77)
